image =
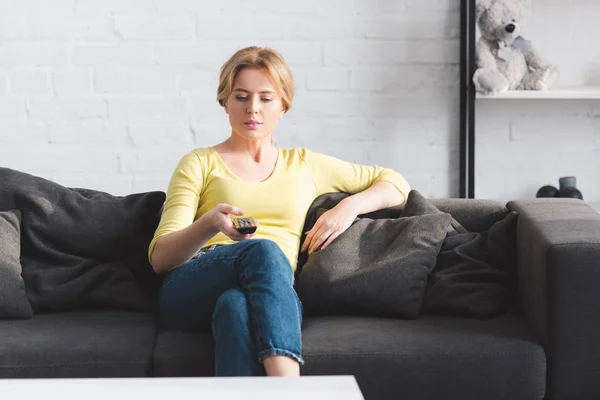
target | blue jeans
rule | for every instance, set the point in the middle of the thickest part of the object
(245, 292)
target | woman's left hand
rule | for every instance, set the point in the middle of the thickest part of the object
(328, 227)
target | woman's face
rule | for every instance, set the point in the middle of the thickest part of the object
(254, 107)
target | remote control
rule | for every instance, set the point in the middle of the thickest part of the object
(244, 225)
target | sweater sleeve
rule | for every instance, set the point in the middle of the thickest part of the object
(183, 196)
(331, 174)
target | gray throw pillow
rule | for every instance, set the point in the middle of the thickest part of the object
(81, 248)
(377, 267)
(475, 272)
(13, 297)
(417, 204)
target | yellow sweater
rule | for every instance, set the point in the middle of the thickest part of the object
(279, 204)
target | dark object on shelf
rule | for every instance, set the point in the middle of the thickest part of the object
(547, 191)
(567, 181)
(568, 188)
(571, 192)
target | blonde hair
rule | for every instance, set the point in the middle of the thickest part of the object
(258, 57)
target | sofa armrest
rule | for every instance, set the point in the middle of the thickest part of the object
(558, 242)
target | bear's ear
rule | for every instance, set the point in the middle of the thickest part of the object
(481, 6)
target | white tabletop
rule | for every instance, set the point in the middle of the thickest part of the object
(255, 388)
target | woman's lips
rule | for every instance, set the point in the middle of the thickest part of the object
(252, 125)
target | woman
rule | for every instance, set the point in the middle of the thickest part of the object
(242, 285)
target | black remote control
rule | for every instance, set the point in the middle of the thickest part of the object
(244, 225)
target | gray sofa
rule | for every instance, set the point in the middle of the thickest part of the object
(547, 347)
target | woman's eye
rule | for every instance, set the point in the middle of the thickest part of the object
(267, 100)
(241, 98)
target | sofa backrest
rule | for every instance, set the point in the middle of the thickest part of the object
(476, 215)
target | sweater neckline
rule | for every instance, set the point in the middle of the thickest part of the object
(236, 177)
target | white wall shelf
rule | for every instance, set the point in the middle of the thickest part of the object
(578, 87)
(575, 93)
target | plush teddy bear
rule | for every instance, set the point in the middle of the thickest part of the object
(505, 60)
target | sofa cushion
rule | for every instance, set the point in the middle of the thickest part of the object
(183, 354)
(78, 344)
(432, 357)
(429, 358)
(13, 298)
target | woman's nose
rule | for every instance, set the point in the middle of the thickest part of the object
(253, 106)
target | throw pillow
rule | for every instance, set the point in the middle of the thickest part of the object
(13, 298)
(417, 204)
(83, 248)
(475, 273)
(376, 267)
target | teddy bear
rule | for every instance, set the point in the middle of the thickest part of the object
(505, 60)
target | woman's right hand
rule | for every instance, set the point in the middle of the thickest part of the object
(221, 220)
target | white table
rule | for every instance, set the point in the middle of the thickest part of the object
(256, 388)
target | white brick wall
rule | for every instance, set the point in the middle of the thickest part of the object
(523, 147)
(155, 28)
(109, 94)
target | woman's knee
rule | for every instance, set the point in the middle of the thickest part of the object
(266, 247)
(232, 304)
(266, 255)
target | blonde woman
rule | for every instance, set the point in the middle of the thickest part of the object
(241, 285)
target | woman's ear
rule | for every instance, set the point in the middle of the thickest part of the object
(225, 108)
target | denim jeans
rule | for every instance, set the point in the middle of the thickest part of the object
(243, 291)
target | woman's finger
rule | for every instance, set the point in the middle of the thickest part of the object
(309, 235)
(318, 240)
(330, 239)
(317, 231)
